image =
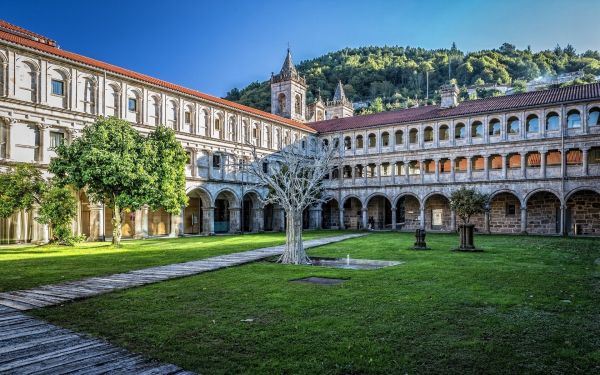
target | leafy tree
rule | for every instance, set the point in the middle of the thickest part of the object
(21, 187)
(58, 209)
(123, 169)
(468, 202)
(519, 86)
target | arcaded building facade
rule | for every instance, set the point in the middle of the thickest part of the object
(536, 154)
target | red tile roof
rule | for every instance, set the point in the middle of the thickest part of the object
(28, 42)
(24, 32)
(466, 108)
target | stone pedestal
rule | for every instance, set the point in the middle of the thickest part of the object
(420, 243)
(465, 232)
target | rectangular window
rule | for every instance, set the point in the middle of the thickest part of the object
(58, 87)
(217, 161)
(188, 117)
(56, 139)
(132, 104)
(511, 210)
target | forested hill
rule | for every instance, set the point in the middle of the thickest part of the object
(398, 75)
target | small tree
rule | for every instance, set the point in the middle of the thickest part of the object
(58, 209)
(123, 169)
(20, 188)
(295, 183)
(466, 203)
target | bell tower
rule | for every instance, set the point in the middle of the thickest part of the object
(288, 92)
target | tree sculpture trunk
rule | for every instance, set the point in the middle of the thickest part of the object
(294, 247)
(116, 222)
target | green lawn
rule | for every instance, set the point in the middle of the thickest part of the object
(28, 266)
(525, 305)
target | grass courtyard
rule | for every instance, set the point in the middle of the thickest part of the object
(525, 305)
(24, 267)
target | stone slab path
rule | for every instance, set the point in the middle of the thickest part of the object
(55, 294)
(33, 346)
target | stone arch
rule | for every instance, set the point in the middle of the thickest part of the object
(408, 210)
(251, 215)
(379, 211)
(504, 210)
(226, 211)
(330, 212)
(195, 214)
(353, 206)
(582, 216)
(543, 212)
(438, 215)
(172, 114)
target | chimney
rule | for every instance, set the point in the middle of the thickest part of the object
(449, 96)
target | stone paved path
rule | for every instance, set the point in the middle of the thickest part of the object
(55, 294)
(29, 345)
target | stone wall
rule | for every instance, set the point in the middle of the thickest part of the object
(542, 213)
(502, 220)
(583, 209)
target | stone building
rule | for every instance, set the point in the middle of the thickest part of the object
(537, 154)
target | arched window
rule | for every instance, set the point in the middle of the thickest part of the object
(399, 137)
(359, 142)
(532, 124)
(268, 139)
(336, 142)
(133, 107)
(444, 133)
(573, 119)
(89, 96)
(372, 140)
(154, 110)
(552, 122)
(298, 104)
(347, 143)
(232, 129)
(28, 80)
(172, 112)
(495, 127)
(385, 139)
(59, 90)
(278, 138)
(428, 134)
(413, 136)
(460, 131)
(594, 117)
(514, 125)
(205, 122)
(113, 98)
(189, 119)
(218, 125)
(246, 130)
(3, 139)
(255, 133)
(281, 102)
(476, 129)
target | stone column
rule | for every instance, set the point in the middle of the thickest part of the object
(209, 156)
(422, 217)
(406, 172)
(45, 234)
(234, 220)
(563, 162)
(145, 231)
(524, 165)
(364, 211)
(35, 226)
(452, 220)
(422, 170)
(137, 225)
(194, 161)
(469, 168)
(524, 220)
(504, 174)
(584, 156)
(486, 166)
(258, 219)
(208, 220)
(563, 216)
(95, 222)
(378, 171)
(486, 220)
(353, 174)
(394, 218)
(542, 164)
(18, 226)
(437, 169)
(181, 221)
(393, 166)
(341, 217)
(452, 166)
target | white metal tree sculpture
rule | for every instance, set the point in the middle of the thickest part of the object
(294, 177)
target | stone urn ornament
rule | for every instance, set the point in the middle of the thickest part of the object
(466, 203)
(420, 243)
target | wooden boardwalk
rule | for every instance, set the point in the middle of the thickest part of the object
(32, 346)
(54, 294)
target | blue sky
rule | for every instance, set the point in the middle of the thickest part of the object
(214, 46)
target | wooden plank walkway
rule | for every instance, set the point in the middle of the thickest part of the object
(32, 346)
(55, 294)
